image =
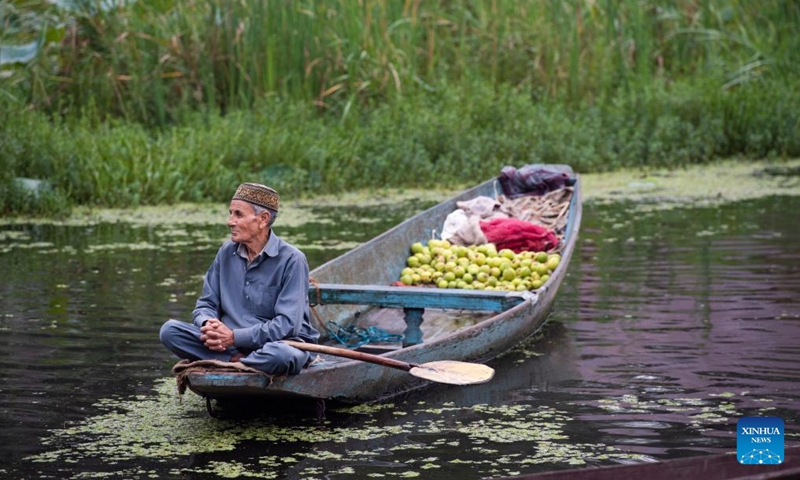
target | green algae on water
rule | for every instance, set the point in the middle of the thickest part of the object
(700, 412)
(164, 426)
(700, 185)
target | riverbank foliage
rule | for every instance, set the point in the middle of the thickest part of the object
(130, 103)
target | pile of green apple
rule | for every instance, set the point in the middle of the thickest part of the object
(477, 267)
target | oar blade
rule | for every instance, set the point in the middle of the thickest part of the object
(453, 373)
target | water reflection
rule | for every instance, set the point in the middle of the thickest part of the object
(671, 325)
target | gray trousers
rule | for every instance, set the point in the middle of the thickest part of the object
(275, 358)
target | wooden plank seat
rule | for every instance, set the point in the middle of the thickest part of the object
(414, 301)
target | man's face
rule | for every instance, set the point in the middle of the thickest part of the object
(244, 224)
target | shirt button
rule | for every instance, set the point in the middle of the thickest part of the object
(247, 283)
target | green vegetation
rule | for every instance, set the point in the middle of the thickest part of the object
(133, 433)
(160, 102)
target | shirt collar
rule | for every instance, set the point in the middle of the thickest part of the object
(272, 246)
(270, 249)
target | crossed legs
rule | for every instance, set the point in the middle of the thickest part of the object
(275, 358)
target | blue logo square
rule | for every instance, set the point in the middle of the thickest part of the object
(759, 440)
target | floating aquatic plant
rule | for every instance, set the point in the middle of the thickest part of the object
(706, 185)
(162, 426)
(366, 409)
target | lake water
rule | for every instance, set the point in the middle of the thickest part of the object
(671, 325)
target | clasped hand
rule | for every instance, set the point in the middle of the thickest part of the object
(216, 335)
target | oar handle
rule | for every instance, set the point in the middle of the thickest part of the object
(343, 352)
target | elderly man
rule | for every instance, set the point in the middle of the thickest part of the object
(255, 294)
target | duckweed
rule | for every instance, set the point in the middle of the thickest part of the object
(700, 411)
(714, 184)
(365, 409)
(162, 426)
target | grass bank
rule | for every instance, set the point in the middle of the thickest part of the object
(161, 102)
(713, 184)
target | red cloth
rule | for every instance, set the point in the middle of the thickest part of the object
(518, 235)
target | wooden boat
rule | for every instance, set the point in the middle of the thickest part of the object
(356, 289)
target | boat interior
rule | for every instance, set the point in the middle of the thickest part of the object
(382, 329)
(362, 318)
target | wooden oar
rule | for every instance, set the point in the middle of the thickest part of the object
(442, 371)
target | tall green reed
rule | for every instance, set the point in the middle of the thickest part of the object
(154, 61)
(459, 136)
(324, 96)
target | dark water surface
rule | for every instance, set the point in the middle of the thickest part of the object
(671, 325)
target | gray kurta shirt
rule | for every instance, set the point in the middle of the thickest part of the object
(262, 302)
